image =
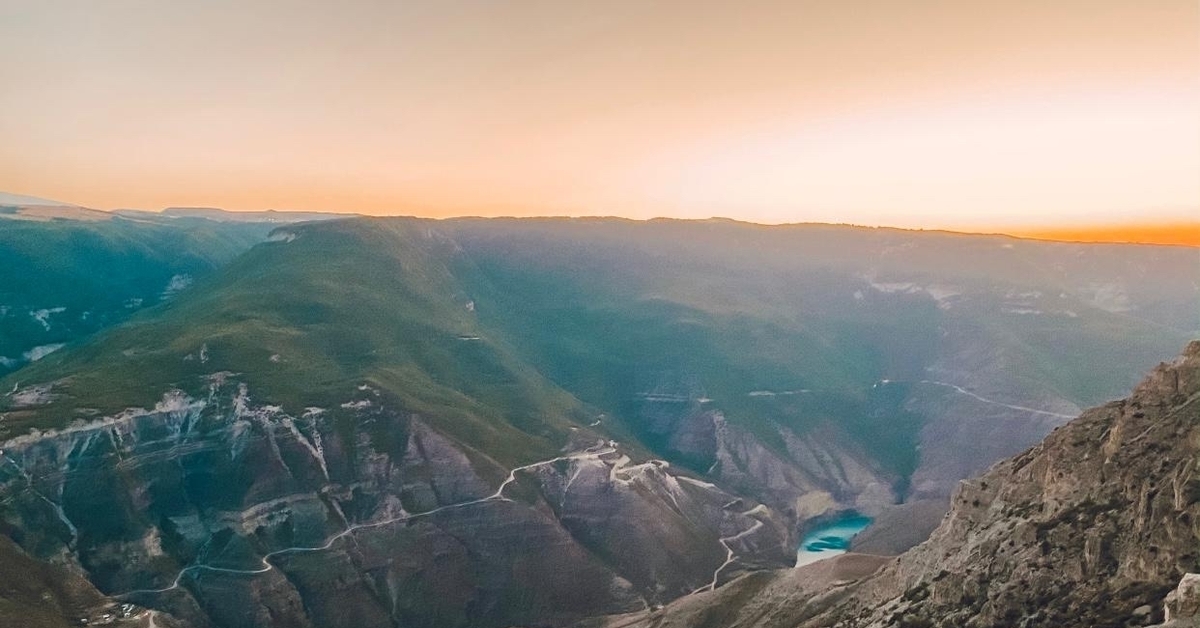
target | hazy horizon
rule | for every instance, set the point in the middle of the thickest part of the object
(989, 117)
(584, 313)
(1182, 232)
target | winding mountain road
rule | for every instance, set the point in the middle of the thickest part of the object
(729, 553)
(266, 558)
(993, 402)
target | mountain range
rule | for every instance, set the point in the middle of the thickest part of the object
(494, 422)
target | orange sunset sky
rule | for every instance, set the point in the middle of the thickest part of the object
(1048, 117)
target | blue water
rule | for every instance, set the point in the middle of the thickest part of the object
(830, 539)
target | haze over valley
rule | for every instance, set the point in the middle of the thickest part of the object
(526, 314)
(469, 420)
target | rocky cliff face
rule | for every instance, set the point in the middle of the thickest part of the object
(419, 427)
(223, 512)
(801, 477)
(1096, 521)
(1092, 527)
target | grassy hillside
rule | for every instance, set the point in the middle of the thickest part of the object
(508, 333)
(66, 279)
(309, 319)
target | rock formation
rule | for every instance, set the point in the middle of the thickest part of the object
(1093, 527)
(222, 512)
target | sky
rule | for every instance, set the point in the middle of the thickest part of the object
(978, 115)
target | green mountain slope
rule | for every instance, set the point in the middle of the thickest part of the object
(307, 322)
(652, 407)
(66, 279)
(511, 327)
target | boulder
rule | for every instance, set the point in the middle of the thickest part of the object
(1184, 601)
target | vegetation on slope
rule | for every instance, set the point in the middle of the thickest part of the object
(66, 279)
(508, 333)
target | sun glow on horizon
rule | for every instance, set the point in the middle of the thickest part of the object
(1049, 115)
(1180, 234)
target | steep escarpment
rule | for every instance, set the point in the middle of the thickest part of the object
(328, 421)
(400, 421)
(1092, 527)
(224, 512)
(860, 366)
(1099, 519)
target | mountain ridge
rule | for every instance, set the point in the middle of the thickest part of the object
(1156, 235)
(396, 383)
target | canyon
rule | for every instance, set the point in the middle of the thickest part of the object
(382, 422)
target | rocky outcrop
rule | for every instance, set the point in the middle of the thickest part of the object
(814, 475)
(802, 477)
(222, 512)
(1092, 527)
(1182, 606)
(1094, 522)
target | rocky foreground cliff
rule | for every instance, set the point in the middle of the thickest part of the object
(1092, 527)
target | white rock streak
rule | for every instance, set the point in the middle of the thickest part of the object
(314, 447)
(58, 509)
